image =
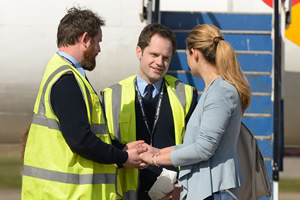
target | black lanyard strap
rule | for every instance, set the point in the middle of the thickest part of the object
(157, 111)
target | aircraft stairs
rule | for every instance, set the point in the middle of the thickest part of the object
(251, 37)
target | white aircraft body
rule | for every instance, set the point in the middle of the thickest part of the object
(28, 41)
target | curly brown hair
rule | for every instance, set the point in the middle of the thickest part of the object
(75, 23)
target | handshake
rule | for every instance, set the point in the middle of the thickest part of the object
(139, 154)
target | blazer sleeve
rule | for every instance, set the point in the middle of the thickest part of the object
(206, 131)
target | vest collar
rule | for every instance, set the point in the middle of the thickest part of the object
(73, 61)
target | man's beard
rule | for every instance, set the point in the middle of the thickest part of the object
(89, 59)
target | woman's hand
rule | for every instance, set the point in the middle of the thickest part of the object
(147, 157)
(151, 149)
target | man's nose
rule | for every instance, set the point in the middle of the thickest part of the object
(159, 60)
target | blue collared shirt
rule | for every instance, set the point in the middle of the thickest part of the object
(74, 62)
(141, 84)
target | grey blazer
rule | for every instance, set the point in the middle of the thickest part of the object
(208, 156)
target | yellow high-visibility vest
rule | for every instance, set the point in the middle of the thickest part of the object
(120, 113)
(51, 170)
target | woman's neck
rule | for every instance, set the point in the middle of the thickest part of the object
(209, 79)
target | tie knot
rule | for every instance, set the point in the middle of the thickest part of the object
(149, 89)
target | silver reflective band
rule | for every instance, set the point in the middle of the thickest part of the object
(53, 124)
(180, 92)
(78, 179)
(88, 98)
(116, 105)
(43, 121)
(41, 110)
(130, 195)
(98, 128)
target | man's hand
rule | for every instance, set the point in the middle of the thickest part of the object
(134, 160)
(133, 145)
(175, 194)
(143, 165)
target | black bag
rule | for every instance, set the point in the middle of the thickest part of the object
(256, 180)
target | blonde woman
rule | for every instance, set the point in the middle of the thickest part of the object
(208, 158)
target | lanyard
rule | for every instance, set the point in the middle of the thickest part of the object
(157, 111)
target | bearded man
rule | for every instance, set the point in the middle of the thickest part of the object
(69, 153)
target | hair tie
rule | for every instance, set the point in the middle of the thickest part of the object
(217, 39)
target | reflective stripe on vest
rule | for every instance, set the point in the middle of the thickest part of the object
(68, 177)
(53, 124)
(41, 110)
(180, 92)
(116, 103)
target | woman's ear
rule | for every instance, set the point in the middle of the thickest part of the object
(195, 54)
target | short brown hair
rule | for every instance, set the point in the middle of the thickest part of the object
(153, 29)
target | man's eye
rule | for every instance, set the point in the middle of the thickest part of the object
(167, 59)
